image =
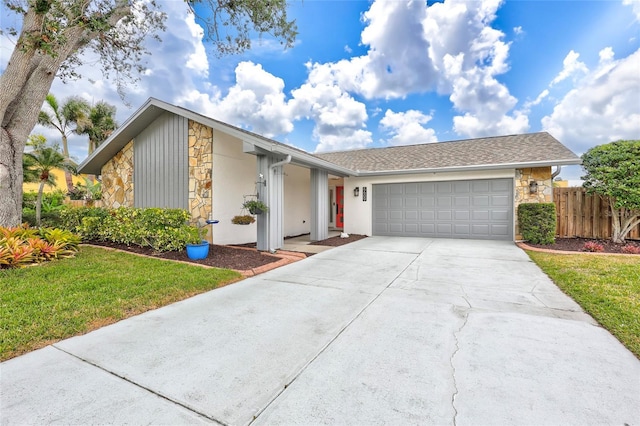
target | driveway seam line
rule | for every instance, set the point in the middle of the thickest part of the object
(166, 398)
(329, 343)
(453, 368)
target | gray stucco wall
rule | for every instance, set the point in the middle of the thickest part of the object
(161, 165)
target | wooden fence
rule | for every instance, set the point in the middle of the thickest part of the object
(82, 203)
(583, 215)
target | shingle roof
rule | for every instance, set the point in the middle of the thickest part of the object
(500, 150)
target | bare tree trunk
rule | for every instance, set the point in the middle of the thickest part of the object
(67, 173)
(39, 203)
(616, 235)
(25, 84)
(10, 181)
(629, 219)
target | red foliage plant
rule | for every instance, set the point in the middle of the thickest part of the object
(631, 249)
(593, 246)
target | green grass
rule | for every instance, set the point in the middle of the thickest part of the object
(607, 287)
(43, 304)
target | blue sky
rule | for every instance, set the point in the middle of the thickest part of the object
(372, 74)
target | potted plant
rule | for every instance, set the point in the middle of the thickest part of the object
(255, 206)
(243, 220)
(198, 247)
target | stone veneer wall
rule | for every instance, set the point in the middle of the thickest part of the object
(542, 175)
(200, 169)
(117, 179)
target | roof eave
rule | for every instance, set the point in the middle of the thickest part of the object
(479, 167)
(298, 158)
(147, 113)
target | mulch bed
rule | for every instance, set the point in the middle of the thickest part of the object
(231, 257)
(577, 245)
(331, 242)
(337, 241)
(219, 256)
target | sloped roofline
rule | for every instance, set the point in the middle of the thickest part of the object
(497, 166)
(153, 108)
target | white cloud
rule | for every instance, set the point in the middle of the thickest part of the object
(571, 66)
(474, 125)
(343, 140)
(635, 6)
(198, 60)
(257, 102)
(469, 53)
(518, 30)
(405, 128)
(339, 119)
(447, 47)
(527, 105)
(602, 107)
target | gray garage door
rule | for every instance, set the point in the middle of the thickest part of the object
(481, 209)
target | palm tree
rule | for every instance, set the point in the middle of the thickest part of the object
(99, 124)
(41, 161)
(65, 119)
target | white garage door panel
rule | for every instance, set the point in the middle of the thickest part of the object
(481, 209)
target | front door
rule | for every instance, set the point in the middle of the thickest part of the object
(339, 206)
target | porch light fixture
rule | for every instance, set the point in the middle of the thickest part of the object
(356, 191)
(533, 187)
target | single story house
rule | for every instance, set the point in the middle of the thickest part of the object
(168, 156)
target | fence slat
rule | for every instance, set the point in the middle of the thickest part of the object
(582, 215)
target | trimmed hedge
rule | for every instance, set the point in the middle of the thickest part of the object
(160, 229)
(537, 222)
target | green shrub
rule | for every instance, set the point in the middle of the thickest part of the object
(537, 222)
(160, 229)
(84, 221)
(52, 205)
(48, 219)
(50, 200)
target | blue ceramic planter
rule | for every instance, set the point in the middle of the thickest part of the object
(198, 251)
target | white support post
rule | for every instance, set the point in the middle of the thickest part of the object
(319, 204)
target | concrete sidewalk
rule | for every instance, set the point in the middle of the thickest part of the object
(383, 330)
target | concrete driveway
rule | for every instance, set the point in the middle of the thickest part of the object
(384, 330)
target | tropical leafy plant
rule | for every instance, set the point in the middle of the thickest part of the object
(22, 245)
(98, 125)
(91, 189)
(64, 118)
(42, 160)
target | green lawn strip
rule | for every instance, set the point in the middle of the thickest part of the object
(43, 304)
(607, 287)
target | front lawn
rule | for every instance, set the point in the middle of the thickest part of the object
(607, 287)
(43, 304)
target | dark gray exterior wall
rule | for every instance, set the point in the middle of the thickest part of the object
(161, 163)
